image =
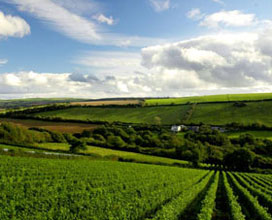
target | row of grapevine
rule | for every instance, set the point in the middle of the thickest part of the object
(263, 198)
(176, 206)
(33, 188)
(256, 184)
(259, 211)
(51, 189)
(208, 203)
(234, 206)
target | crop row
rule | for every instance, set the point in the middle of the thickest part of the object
(33, 188)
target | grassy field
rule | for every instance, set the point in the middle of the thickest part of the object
(223, 113)
(210, 98)
(257, 134)
(105, 152)
(211, 113)
(150, 115)
(107, 102)
(65, 127)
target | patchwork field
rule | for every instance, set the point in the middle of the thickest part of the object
(69, 189)
(210, 98)
(65, 127)
(19, 103)
(150, 115)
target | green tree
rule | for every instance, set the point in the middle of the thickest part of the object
(77, 145)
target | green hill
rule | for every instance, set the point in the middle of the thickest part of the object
(209, 98)
(223, 113)
(209, 113)
(150, 115)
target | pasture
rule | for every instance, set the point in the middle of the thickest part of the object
(80, 189)
(209, 98)
(108, 102)
(257, 134)
(109, 153)
(147, 115)
(224, 113)
(209, 113)
(64, 127)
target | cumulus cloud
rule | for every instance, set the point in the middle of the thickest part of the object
(33, 84)
(220, 61)
(264, 42)
(160, 5)
(103, 19)
(13, 26)
(233, 18)
(3, 62)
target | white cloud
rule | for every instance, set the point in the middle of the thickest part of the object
(113, 62)
(103, 19)
(195, 14)
(233, 18)
(219, 2)
(70, 21)
(60, 19)
(13, 26)
(160, 5)
(213, 64)
(80, 7)
(3, 62)
(234, 60)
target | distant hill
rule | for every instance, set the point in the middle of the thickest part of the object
(209, 98)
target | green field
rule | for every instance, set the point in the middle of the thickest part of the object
(257, 134)
(150, 115)
(210, 98)
(224, 113)
(34, 188)
(105, 152)
(211, 113)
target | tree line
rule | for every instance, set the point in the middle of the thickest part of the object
(205, 146)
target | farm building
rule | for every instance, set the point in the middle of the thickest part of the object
(177, 128)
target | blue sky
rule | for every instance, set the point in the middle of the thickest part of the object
(134, 48)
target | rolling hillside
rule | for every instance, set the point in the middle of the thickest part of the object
(150, 115)
(209, 113)
(209, 98)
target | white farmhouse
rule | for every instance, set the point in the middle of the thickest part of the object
(177, 128)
